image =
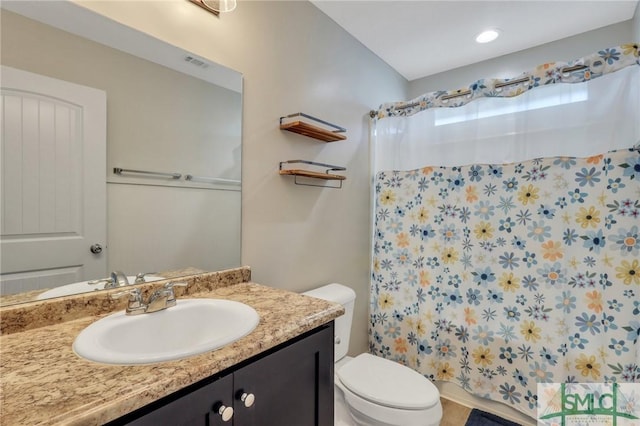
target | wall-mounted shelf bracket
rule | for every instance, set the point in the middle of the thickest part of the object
(305, 173)
(294, 123)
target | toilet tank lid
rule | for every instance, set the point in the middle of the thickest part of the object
(334, 292)
(388, 383)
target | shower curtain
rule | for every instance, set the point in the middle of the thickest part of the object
(506, 242)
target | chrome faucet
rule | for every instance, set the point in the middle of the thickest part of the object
(159, 300)
(163, 298)
(117, 279)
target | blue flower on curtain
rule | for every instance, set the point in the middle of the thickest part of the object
(499, 277)
(610, 55)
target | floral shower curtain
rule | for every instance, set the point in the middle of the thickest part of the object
(500, 275)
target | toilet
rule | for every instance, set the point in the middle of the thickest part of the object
(377, 391)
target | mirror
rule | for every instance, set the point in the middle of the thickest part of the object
(167, 111)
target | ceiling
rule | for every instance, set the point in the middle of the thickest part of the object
(421, 38)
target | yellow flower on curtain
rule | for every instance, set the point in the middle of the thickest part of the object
(484, 231)
(376, 265)
(445, 371)
(423, 215)
(385, 301)
(530, 331)
(509, 282)
(630, 49)
(552, 250)
(588, 366)
(387, 197)
(483, 356)
(449, 255)
(528, 194)
(629, 272)
(588, 217)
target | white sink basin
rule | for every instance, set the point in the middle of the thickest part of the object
(192, 327)
(85, 287)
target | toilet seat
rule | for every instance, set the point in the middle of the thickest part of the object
(388, 383)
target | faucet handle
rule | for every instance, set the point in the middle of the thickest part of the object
(140, 277)
(100, 281)
(172, 284)
(135, 306)
(171, 296)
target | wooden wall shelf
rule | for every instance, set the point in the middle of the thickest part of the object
(291, 124)
(312, 173)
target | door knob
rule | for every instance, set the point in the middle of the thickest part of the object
(96, 249)
(247, 399)
(225, 412)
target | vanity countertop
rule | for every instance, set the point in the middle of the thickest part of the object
(44, 382)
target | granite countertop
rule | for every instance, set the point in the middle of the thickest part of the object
(44, 382)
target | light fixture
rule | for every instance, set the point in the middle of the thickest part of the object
(216, 6)
(221, 6)
(488, 35)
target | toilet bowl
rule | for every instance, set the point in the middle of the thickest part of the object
(377, 391)
(381, 392)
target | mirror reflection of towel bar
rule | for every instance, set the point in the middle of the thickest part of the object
(120, 171)
(205, 179)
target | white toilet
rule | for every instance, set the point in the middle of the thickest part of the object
(377, 391)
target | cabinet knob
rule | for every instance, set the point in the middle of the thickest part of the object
(247, 399)
(225, 412)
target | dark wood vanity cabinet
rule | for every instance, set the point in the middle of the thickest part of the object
(292, 385)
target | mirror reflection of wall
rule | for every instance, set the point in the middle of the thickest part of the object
(158, 119)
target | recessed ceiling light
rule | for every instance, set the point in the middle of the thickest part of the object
(488, 35)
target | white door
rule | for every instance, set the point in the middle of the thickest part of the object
(53, 182)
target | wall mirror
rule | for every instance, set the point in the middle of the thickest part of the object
(169, 178)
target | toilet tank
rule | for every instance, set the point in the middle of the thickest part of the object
(345, 296)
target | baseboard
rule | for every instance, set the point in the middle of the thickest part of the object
(458, 395)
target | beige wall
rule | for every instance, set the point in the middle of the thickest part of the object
(512, 65)
(636, 25)
(293, 58)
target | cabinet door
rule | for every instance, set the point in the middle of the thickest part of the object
(196, 408)
(292, 386)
